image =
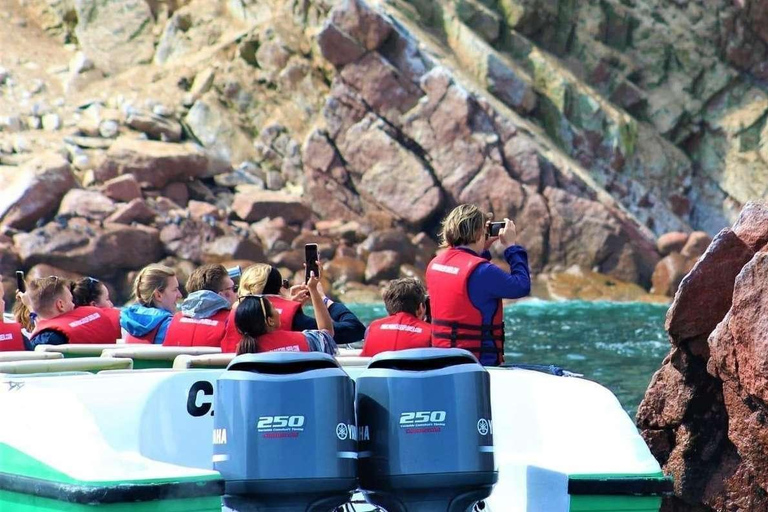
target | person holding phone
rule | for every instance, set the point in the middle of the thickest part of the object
(266, 279)
(466, 289)
(258, 322)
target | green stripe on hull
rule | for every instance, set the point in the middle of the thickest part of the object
(615, 504)
(15, 502)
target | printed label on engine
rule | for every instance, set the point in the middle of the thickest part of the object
(280, 426)
(423, 422)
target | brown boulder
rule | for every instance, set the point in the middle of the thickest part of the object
(88, 249)
(389, 240)
(135, 211)
(337, 47)
(255, 205)
(704, 295)
(34, 191)
(273, 231)
(232, 247)
(426, 248)
(381, 86)
(186, 239)
(373, 157)
(696, 245)
(155, 164)
(668, 274)
(177, 192)
(668, 397)
(343, 270)
(752, 226)
(671, 242)
(156, 127)
(357, 293)
(123, 188)
(292, 259)
(532, 224)
(382, 265)
(89, 204)
(363, 24)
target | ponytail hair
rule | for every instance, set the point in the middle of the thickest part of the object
(23, 315)
(86, 290)
(152, 278)
(251, 321)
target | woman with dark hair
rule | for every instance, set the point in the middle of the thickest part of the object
(89, 291)
(258, 322)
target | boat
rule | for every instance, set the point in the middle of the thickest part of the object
(139, 438)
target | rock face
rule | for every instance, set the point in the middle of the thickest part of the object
(704, 412)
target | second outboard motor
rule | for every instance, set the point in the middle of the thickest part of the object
(284, 433)
(426, 433)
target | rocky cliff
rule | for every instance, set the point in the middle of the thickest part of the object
(705, 412)
(185, 125)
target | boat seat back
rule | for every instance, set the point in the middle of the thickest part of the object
(149, 356)
(88, 364)
(25, 355)
(186, 361)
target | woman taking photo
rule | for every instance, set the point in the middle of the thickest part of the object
(258, 322)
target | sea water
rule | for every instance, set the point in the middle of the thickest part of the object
(619, 345)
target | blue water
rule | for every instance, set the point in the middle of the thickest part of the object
(619, 345)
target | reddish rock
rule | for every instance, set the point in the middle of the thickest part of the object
(704, 295)
(382, 265)
(135, 211)
(373, 157)
(381, 86)
(34, 191)
(123, 188)
(164, 206)
(156, 127)
(345, 251)
(532, 226)
(343, 270)
(292, 259)
(186, 239)
(88, 249)
(412, 272)
(389, 240)
(363, 24)
(668, 398)
(697, 243)
(671, 242)
(200, 209)
(176, 192)
(337, 47)
(256, 205)
(426, 248)
(44, 270)
(668, 274)
(493, 190)
(272, 231)
(89, 204)
(751, 227)
(155, 164)
(232, 247)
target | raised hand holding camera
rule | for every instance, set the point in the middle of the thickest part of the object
(508, 234)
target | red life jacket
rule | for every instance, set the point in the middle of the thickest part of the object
(10, 337)
(147, 339)
(85, 324)
(282, 341)
(397, 332)
(287, 310)
(197, 332)
(455, 320)
(231, 335)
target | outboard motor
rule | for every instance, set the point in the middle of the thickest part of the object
(284, 433)
(426, 434)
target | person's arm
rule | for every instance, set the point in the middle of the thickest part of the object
(347, 327)
(323, 316)
(490, 280)
(46, 338)
(320, 341)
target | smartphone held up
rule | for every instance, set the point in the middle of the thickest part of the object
(493, 228)
(310, 258)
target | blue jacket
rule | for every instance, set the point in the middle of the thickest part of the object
(139, 320)
(489, 283)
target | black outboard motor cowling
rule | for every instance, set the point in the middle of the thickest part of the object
(284, 433)
(426, 433)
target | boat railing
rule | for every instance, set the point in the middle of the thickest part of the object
(25, 355)
(87, 364)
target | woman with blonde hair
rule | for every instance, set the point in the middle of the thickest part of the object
(156, 291)
(288, 301)
(466, 289)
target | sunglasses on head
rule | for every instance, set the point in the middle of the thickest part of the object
(261, 302)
